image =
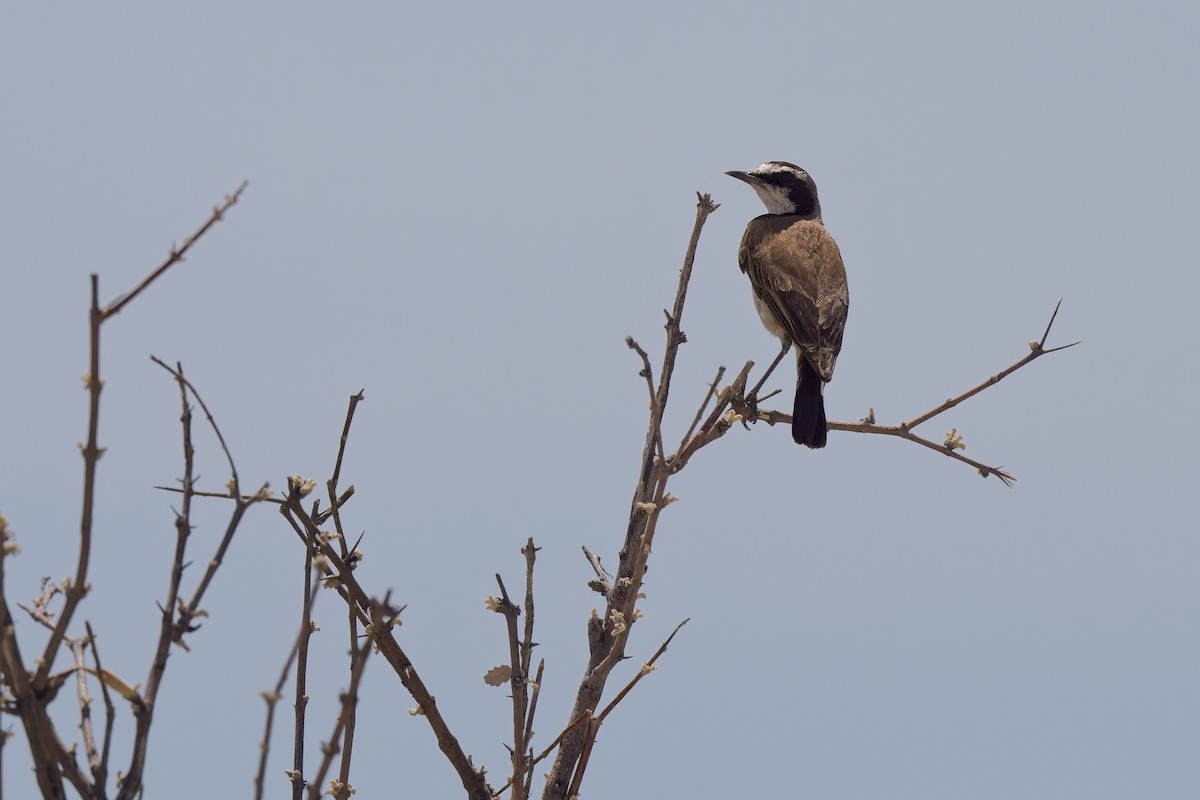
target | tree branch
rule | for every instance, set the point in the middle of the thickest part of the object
(272, 697)
(176, 255)
(301, 704)
(100, 772)
(472, 779)
(745, 409)
(953, 441)
(607, 635)
(595, 723)
(143, 705)
(510, 611)
(91, 451)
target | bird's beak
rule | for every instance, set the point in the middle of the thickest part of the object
(742, 176)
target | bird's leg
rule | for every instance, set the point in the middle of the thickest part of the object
(752, 396)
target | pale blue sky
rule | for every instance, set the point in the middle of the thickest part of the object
(464, 209)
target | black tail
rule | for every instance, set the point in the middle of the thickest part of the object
(808, 413)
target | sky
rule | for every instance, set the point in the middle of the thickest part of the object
(463, 209)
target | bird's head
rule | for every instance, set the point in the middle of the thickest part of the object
(784, 188)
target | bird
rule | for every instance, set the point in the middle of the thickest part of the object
(799, 282)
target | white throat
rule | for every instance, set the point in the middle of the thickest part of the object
(774, 198)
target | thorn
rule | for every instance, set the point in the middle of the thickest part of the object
(1050, 324)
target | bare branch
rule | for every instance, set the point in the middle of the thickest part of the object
(1037, 349)
(585, 755)
(904, 430)
(344, 726)
(212, 422)
(648, 373)
(358, 663)
(168, 631)
(100, 771)
(331, 485)
(752, 395)
(527, 643)
(607, 635)
(260, 497)
(91, 455)
(355, 399)
(675, 336)
(521, 758)
(572, 726)
(712, 391)
(272, 699)
(85, 705)
(537, 689)
(336, 567)
(177, 253)
(718, 422)
(91, 450)
(241, 505)
(301, 704)
(472, 779)
(44, 746)
(601, 583)
(944, 448)
(41, 613)
(594, 724)
(519, 688)
(646, 669)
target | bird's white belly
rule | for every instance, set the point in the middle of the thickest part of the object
(768, 319)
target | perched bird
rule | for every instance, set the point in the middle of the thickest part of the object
(799, 284)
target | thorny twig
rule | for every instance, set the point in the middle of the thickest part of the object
(52, 762)
(520, 657)
(595, 723)
(100, 772)
(341, 577)
(241, 505)
(272, 697)
(344, 726)
(301, 705)
(517, 682)
(952, 442)
(168, 629)
(472, 779)
(92, 451)
(607, 635)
